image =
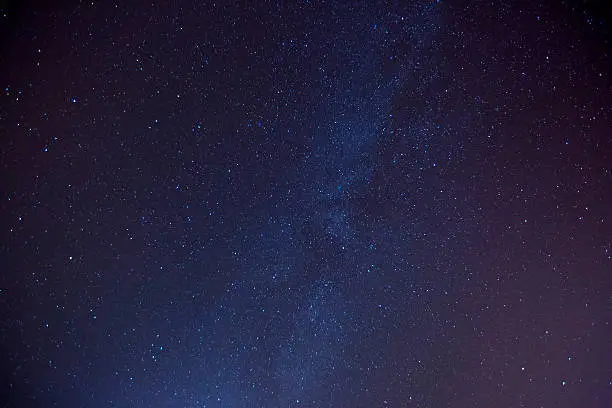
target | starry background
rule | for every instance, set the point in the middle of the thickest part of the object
(317, 204)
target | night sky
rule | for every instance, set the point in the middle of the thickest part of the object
(305, 204)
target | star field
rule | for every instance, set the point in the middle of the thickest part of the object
(305, 204)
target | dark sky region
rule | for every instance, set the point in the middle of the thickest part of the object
(305, 204)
